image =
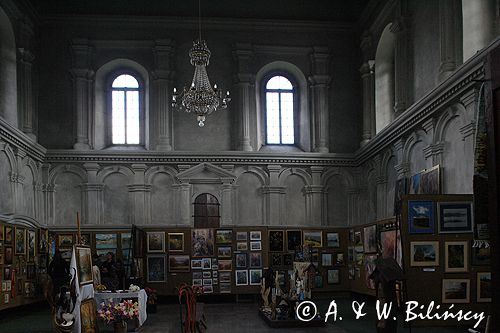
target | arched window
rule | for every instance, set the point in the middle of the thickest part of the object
(126, 111)
(206, 211)
(280, 114)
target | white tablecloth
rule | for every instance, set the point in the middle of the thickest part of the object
(141, 296)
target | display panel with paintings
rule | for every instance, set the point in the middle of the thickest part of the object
(456, 291)
(455, 217)
(202, 242)
(424, 253)
(84, 264)
(420, 217)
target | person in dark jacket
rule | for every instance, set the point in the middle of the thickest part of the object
(59, 272)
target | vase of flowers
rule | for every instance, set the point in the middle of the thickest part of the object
(118, 314)
(152, 300)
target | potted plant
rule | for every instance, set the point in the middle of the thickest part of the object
(118, 314)
(152, 300)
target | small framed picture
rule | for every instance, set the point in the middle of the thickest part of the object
(241, 260)
(196, 264)
(225, 277)
(156, 242)
(175, 242)
(224, 251)
(370, 239)
(241, 277)
(421, 217)
(255, 259)
(64, 240)
(207, 282)
(225, 288)
(424, 253)
(293, 239)
(256, 246)
(178, 263)
(326, 259)
(241, 236)
(207, 274)
(224, 236)
(333, 276)
(156, 268)
(255, 277)
(255, 235)
(225, 265)
(276, 240)
(208, 289)
(332, 239)
(456, 255)
(313, 238)
(242, 246)
(455, 217)
(206, 263)
(197, 275)
(484, 287)
(84, 265)
(456, 291)
(197, 282)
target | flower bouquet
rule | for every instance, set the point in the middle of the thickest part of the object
(118, 313)
(152, 299)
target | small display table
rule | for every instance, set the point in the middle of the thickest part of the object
(116, 297)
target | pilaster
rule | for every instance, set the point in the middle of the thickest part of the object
(92, 193)
(368, 78)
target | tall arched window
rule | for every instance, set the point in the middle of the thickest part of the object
(280, 105)
(126, 111)
(206, 211)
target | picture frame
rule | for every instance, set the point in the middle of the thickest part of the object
(421, 217)
(225, 288)
(424, 253)
(20, 241)
(207, 275)
(242, 246)
(85, 239)
(255, 277)
(2, 232)
(241, 236)
(8, 235)
(276, 259)
(224, 251)
(255, 259)
(276, 240)
(241, 277)
(288, 259)
(370, 238)
(332, 239)
(318, 281)
(256, 246)
(84, 265)
(88, 317)
(225, 277)
(207, 282)
(455, 217)
(43, 241)
(208, 289)
(333, 276)
(339, 259)
(455, 291)
(197, 282)
(456, 256)
(65, 240)
(179, 263)
(313, 238)
(8, 255)
(399, 190)
(225, 265)
(224, 236)
(481, 256)
(255, 235)
(175, 241)
(125, 240)
(357, 238)
(483, 287)
(156, 268)
(31, 244)
(240, 260)
(196, 264)
(155, 241)
(293, 239)
(326, 259)
(106, 241)
(202, 242)
(391, 246)
(206, 263)
(197, 275)
(215, 263)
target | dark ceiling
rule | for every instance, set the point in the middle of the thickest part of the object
(308, 10)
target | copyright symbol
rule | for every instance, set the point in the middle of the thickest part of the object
(306, 311)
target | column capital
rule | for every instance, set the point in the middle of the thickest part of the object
(162, 74)
(139, 167)
(266, 189)
(468, 129)
(470, 97)
(402, 169)
(274, 168)
(139, 188)
(320, 80)
(82, 73)
(91, 166)
(310, 189)
(92, 187)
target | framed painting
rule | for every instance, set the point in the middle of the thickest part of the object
(370, 238)
(208, 289)
(224, 236)
(455, 217)
(84, 265)
(85, 239)
(156, 268)
(255, 235)
(242, 236)
(430, 181)
(242, 246)
(196, 264)
(276, 241)
(225, 265)
(256, 246)
(206, 263)
(20, 241)
(31, 242)
(357, 238)
(241, 260)
(456, 291)
(293, 239)
(370, 265)
(207, 275)
(456, 256)
(224, 251)
(225, 288)
(276, 259)
(197, 275)
(313, 238)
(178, 263)
(175, 242)
(339, 261)
(106, 241)
(88, 318)
(1, 232)
(288, 259)
(155, 242)
(333, 276)
(391, 247)
(126, 240)
(64, 240)
(332, 239)
(8, 236)
(424, 253)
(8, 255)
(326, 259)
(197, 282)
(202, 242)
(255, 277)
(483, 287)
(255, 259)
(421, 217)
(241, 277)
(481, 256)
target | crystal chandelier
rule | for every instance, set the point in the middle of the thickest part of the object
(200, 99)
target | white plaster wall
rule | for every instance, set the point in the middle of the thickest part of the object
(417, 157)
(8, 65)
(337, 201)
(391, 177)
(6, 196)
(28, 192)
(162, 199)
(457, 167)
(67, 198)
(295, 203)
(116, 199)
(249, 202)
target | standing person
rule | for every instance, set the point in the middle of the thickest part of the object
(58, 270)
(108, 271)
(96, 272)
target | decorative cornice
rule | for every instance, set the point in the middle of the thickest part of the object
(16, 138)
(139, 188)
(273, 189)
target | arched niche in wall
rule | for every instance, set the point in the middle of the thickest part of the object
(384, 80)
(29, 174)
(7, 161)
(415, 146)
(101, 104)
(162, 195)
(8, 69)
(337, 201)
(116, 197)
(249, 199)
(391, 176)
(67, 197)
(371, 197)
(304, 118)
(294, 181)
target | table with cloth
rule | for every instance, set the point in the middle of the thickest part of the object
(116, 297)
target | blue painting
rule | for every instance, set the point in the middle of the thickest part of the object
(421, 217)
